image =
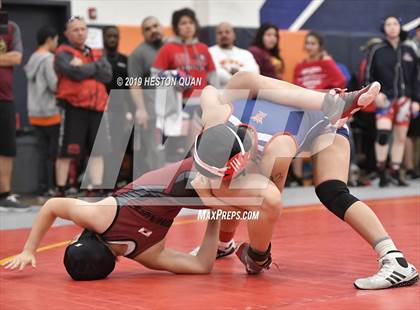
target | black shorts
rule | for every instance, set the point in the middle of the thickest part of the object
(7, 129)
(79, 133)
(414, 129)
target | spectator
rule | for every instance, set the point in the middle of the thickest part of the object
(42, 110)
(185, 54)
(365, 119)
(139, 65)
(10, 56)
(228, 58)
(265, 50)
(81, 92)
(366, 48)
(118, 61)
(412, 153)
(394, 65)
(318, 71)
(118, 109)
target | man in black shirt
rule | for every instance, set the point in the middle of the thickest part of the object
(118, 61)
(119, 104)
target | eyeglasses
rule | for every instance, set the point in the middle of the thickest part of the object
(73, 18)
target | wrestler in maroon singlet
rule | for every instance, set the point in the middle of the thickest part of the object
(147, 207)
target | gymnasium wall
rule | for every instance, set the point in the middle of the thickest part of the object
(339, 15)
(210, 12)
(291, 43)
(342, 22)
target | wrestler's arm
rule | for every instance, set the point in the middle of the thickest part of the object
(202, 187)
(215, 111)
(65, 208)
(183, 263)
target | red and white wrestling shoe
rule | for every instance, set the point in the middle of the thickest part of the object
(251, 266)
(339, 104)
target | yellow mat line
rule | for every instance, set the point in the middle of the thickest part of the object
(41, 249)
(3, 261)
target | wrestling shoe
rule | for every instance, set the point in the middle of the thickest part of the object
(251, 266)
(339, 104)
(226, 248)
(394, 271)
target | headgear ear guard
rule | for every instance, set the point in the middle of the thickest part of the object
(234, 165)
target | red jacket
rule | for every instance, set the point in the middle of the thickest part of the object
(194, 59)
(87, 94)
(319, 74)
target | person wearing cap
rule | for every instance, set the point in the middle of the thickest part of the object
(282, 133)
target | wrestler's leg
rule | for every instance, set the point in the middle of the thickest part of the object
(274, 164)
(276, 159)
(261, 229)
(289, 94)
(358, 215)
(330, 181)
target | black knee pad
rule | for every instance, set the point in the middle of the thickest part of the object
(335, 195)
(383, 136)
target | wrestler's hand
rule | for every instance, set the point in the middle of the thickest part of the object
(20, 261)
(202, 186)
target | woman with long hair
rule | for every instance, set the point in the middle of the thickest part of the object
(318, 70)
(266, 52)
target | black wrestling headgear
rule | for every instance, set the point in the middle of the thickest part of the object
(88, 258)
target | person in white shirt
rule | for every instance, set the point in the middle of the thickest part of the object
(228, 58)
